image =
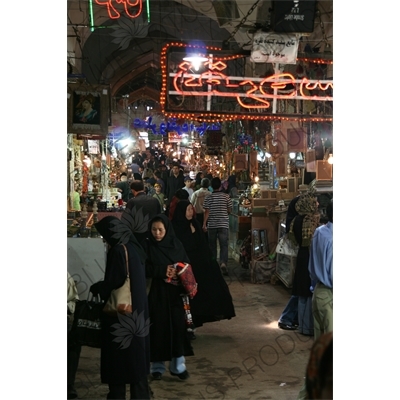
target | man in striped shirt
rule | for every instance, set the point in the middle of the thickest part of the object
(217, 208)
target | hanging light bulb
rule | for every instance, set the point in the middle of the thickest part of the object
(330, 159)
(195, 60)
(292, 156)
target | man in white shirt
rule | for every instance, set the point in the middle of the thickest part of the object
(198, 197)
(188, 184)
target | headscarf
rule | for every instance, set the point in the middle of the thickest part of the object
(307, 204)
(179, 219)
(198, 178)
(115, 232)
(307, 207)
(182, 225)
(319, 375)
(180, 194)
(169, 249)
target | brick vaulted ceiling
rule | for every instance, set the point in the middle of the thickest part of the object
(125, 52)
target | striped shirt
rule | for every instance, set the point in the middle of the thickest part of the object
(218, 204)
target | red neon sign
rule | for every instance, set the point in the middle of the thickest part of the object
(252, 94)
(185, 84)
(113, 13)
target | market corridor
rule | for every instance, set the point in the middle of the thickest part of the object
(247, 357)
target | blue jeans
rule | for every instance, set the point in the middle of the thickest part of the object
(222, 234)
(290, 313)
(176, 366)
(306, 318)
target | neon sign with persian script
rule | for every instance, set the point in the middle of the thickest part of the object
(113, 13)
(259, 90)
(211, 93)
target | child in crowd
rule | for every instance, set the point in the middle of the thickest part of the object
(188, 186)
(159, 196)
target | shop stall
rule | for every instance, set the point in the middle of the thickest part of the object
(262, 163)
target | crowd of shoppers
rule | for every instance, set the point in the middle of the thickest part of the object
(184, 222)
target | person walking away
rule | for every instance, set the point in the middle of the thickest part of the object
(168, 336)
(217, 208)
(198, 198)
(213, 301)
(129, 364)
(289, 317)
(179, 195)
(300, 233)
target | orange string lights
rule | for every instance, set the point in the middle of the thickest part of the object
(251, 94)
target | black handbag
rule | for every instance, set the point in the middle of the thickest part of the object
(86, 329)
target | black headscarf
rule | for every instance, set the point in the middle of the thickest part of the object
(170, 247)
(199, 178)
(114, 232)
(182, 226)
(179, 220)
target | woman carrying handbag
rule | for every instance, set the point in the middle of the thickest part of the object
(125, 354)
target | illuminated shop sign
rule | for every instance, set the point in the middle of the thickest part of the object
(212, 93)
(112, 7)
(172, 126)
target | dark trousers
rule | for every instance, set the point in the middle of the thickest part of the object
(73, 354)
(139, 390)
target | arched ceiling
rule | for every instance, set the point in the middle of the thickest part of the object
(125, 52)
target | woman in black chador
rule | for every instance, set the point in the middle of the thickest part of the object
(125, 357)
(169, 340)
(301, 231)
(213, 301)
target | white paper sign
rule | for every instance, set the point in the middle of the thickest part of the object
(271, 47)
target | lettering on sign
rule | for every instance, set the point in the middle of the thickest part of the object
(214, 82)
(112, 7)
